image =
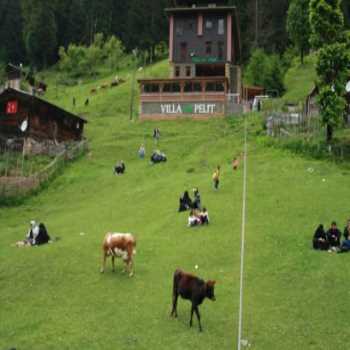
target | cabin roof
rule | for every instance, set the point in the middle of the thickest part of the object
(26, 97)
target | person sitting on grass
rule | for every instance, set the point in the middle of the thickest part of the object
(119, 169)
(197, 199)
(158, 157)
(37, 235)
(320, 241)
(185, 202)
(204, 216)
(333, 236)
(193, 219)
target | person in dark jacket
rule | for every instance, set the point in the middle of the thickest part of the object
(333, 236)
(197, 199)
(320, 241)
(185, 202)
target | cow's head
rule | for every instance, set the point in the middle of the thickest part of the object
(210, 290)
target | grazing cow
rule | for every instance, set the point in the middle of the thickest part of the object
(120, 245)
(192, 288)
(104, 86)
(93, 91)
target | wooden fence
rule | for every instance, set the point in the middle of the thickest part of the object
(18, 186)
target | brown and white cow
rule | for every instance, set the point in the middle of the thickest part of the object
(120, 245)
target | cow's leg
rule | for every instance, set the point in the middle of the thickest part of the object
(175, 297)
(192, 309)
(113, 263)
(129, 267)
(104, 257)
(198, 317)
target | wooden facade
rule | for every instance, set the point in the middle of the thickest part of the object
(44, 120)
(199, 98)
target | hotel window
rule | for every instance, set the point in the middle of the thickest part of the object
(188, 71)
(221, 26)
(197, 87)
(208, 24)
(221, 50)
(208, 47)
(151, 88)
(183, 51)
(171, 87)
(188, 87)
(179, 30)
(177, 71)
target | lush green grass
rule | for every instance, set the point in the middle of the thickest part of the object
(54, 297)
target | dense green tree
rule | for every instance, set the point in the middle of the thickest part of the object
(298, 26)
(39, 32)
(333, 61)
(266, 71)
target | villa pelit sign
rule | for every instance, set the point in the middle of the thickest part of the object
(182, 108)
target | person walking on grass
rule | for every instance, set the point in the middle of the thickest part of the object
(216, 177)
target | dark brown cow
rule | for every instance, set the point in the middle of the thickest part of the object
(192, 288)
(120, 245)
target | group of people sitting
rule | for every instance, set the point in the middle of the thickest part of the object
(186, 203)
(158, 157)
(119, 169)
(37, 235)
(198, 217)
(331, 240)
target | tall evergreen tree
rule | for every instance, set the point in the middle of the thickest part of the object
(298, 26)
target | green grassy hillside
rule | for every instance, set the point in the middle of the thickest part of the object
(54, 297)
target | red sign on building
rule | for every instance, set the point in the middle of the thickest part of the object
(12, 107)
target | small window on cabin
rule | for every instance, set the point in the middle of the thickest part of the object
(208, 49)
(208, 24)
(221, 50)
(177, 71)
(183, 51)
(188, 71)
(188, 87)
(221, 26)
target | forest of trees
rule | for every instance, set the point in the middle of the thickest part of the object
(32, 31)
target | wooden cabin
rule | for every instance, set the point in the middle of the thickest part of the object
(23, 116)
